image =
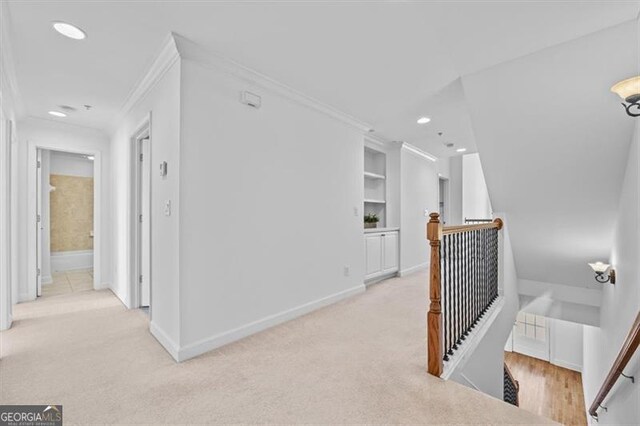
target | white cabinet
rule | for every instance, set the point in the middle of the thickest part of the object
(381, 254)
(389, 252)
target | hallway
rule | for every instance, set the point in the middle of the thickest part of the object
(548, 390)
(359, 361)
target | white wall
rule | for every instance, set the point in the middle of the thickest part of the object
(63, 163)
(620, 305)
(456, 216)
(566, 339)
(57, 135)
(418, 193)
(267, 201)
(475, 197)
(162, 102)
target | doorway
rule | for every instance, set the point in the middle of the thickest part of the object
(142, 219)
(443, 197)
(531, 336)
(65, 191)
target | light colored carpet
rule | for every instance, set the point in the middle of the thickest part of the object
(359, 361)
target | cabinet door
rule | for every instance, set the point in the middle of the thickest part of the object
(390, 252)
(373, 253)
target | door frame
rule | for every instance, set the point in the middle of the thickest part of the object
(143, 131)
(32, 247)
(445, 182)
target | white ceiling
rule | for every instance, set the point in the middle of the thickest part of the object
(527, 82)
(386, 63)
(556, 167)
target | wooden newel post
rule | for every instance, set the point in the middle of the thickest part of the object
(434, 316)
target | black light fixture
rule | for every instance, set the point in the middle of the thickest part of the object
(600, 268)
(629, 91)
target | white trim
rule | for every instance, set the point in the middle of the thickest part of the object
(192, 51)
(142, 130)
(376, 140)
(213, 342)
(414, 269)
(31, 212)
(462, 355)
(468, 380)
(165, 58)
(166, 342)
(417, 151)
(565, 364)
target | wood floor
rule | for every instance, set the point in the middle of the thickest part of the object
(548, 390)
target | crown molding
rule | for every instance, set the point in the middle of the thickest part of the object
(9, 91)
(192, 51)
(377, 140)
(164, 59)
(417, 151)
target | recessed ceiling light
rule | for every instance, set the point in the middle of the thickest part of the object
(461, 149)
(423, 120)
(69, 30)
(57, 114)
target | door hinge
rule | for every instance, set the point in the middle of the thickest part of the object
(38, 218)
(38, 271)
(140, 218)
(140, 279)
(39, 164)
(141, 157)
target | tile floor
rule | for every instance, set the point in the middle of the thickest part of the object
(69, 282)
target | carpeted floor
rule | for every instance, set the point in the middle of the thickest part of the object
(359, 361)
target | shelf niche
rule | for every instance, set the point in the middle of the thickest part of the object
(375, 184)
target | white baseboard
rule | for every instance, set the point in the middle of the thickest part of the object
(71, 260)
(413, 269)
(164, 340)
(102, 286)
(568, 365)
(213, 342)
(24, 297)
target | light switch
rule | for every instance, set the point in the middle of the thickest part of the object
(167, 208)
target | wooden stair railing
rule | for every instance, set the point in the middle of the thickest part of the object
(627, 351)
(511, 388)
(463, 283)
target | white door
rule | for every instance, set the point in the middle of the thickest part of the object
(531, 336)
(39, 222)
(373, 251)
(390, 252)
(145, 222)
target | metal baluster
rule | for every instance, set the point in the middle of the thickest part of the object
(459, 289)
(451, 284)
(446, 304)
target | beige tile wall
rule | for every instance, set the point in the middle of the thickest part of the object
(71, 211)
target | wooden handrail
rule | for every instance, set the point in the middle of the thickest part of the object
(456, 229)
(624, 356)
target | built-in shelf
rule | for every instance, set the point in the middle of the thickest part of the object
(374, 175)
(375, 201)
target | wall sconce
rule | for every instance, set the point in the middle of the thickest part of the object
(629, 91)
(600, 268)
